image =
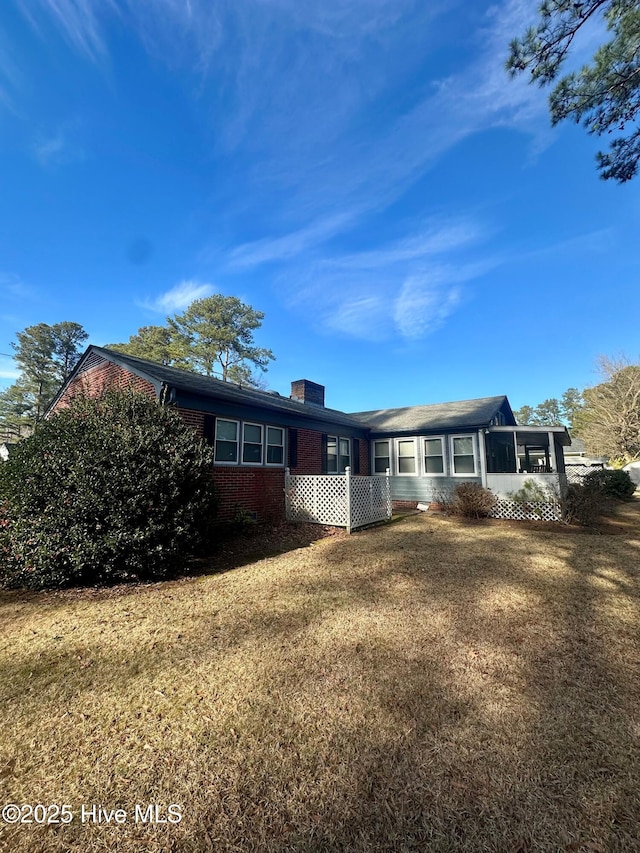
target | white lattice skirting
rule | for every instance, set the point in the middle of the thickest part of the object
(340, 501)
(530, 511)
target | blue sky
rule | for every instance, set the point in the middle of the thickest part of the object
(365, 173)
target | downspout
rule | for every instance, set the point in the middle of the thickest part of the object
(167, 395)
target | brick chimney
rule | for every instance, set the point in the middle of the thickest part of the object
(308, 392)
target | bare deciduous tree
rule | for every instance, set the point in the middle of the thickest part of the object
(609, 421)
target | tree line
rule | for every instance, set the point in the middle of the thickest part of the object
(213, 336)
(606, 416)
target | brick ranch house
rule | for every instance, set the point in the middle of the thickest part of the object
(257, 434)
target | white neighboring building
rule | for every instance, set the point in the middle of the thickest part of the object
(576, 454)
(633, 470)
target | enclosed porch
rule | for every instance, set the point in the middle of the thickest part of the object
(516, 454)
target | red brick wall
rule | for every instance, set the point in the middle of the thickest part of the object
(193, 419)
(364, 456)
(309, 452)
(100, 376)
(259, 490)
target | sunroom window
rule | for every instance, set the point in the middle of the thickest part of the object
(463, 457)
(406, 457)
(433, 456)
(381, 457)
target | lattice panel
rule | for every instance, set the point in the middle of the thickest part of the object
(318, 499)
(531, 511)
(325, 499)
(370, 500)
(577, 473)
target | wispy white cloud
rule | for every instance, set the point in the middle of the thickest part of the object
(330, 176)
(167, 28)
(179, 297)
(428, 297)
(59, 146)
(406, 289)
(290, 245)
(13, 287)
(435, 239)
(423, 305)
(81, 21)
(51, 149)
(9, 74)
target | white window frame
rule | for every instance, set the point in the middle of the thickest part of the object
(474, 450)
(338, 439)
(240, 442)
(237, 442)
(423, 458)
(261, 427)
(416, 459)
(388, 455)
(267, 445)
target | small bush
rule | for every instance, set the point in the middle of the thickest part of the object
(532, 492)
(613, 484)
(472, 501)
(109, 490)
(533, 495)
(583, 504)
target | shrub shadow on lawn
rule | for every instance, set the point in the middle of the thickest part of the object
(418, 686)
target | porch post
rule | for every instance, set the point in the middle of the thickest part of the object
(287, 496)
(552, 453)
(515, 446)
(347, 474)
(483, 457)
(388, 485)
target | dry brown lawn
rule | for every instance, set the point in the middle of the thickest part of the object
(429, 685)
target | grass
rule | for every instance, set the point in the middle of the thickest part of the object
(428, 685)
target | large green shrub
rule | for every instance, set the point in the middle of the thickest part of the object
(611, 483)
(111, 489)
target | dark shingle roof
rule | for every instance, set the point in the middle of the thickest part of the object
(456, 415)
(207, 386)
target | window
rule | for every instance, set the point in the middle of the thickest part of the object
(275, 446)
(433, 456)
(332, 454)
(406, 456)
(252, 444)
(338, 454)
(345, 454)
(239, 443)
(226, 441)
(464, 461)
(381, 457)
